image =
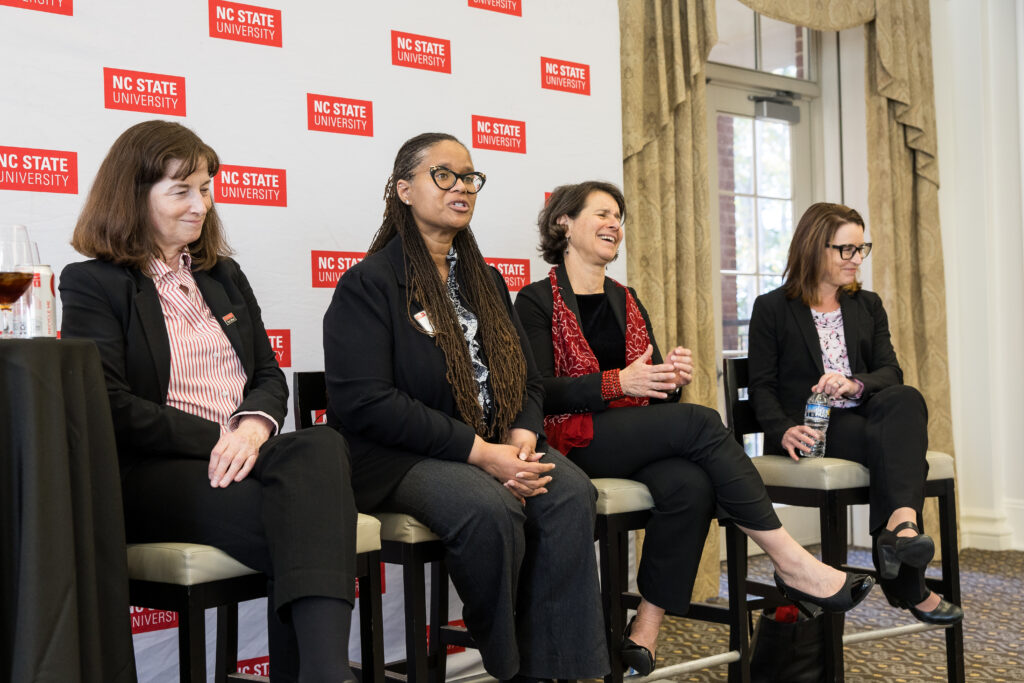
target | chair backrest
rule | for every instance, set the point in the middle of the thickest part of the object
(739, 414)
(309, 396)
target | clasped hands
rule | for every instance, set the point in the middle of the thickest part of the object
(643, 380)
(235, 453)
(801, 437)
(515, 463)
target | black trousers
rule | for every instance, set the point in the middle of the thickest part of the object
(694, 470)
(293, 518)
(527, 575)
(888, 434)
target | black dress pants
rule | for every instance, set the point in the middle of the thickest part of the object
(293, 518)
(691, 464)
(888, 434)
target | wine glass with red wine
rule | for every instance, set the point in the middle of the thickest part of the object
(16, 269)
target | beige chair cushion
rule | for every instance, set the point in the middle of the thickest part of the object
(183, 564)
(621, 495)
(189, 564)
(828, 474)
(395, 526)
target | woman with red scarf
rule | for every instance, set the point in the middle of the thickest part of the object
(612, 407)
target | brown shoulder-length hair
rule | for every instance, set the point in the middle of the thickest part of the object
(806, 263)
(115, 225)
(501, 345)
(569, 200)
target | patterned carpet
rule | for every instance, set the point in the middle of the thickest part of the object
(992, 584)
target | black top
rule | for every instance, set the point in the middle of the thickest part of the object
(785, 356)
(606, 340)
(574, 394)
(387, 386)
(118, 307)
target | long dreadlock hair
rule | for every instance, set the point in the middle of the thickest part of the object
(501, 344)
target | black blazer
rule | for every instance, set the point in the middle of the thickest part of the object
(118, 307)
(386, 381)
(535, 305)
(785, 356)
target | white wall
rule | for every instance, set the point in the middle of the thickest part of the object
(976, 47)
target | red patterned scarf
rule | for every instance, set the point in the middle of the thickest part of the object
(574, 358)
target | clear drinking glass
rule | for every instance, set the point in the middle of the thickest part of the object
(16, 265)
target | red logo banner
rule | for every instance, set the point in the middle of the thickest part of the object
(65, 7)
(557, 74)
(257, 666)
(245, 23)
(421, 52)
(513, 7)
(251, 185)
(504, 135)
(281, 342)
(143, 91)
(516, 271)
(329, 266)
(38, 170)
(145, 620)
(383, 574)
(339, 115)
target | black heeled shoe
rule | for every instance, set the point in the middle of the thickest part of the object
(944, 614)
(855, 589)
(636, 656)
(893, 550)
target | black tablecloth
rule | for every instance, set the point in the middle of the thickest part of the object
(63, 573)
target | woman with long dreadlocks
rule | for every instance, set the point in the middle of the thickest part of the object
(430, 379)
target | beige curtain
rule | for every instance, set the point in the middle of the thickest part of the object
(903, 183)
(665, 44)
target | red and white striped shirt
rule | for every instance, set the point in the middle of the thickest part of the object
(207, 377)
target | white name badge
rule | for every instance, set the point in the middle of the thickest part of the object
(424, 322)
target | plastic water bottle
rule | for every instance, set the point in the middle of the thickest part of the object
(816, 415)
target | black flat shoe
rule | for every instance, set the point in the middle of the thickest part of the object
(945, 614)
(855, 589)
(636, 656)
(893, 550)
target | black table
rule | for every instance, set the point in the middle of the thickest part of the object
(63, 574)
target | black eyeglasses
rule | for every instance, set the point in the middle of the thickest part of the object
(846, 251)
(445, 178)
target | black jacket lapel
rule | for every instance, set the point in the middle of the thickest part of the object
(805, 323)
(851, 329)
(617, 300)
(151, 317)
(568, 296)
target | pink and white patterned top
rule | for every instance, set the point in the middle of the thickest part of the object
(833, 349)
(207, 377)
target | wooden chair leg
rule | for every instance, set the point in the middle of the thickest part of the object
(614, 567)
(833, 552)
(192, 642)
(413, 578)
(951, 581)
(371, 619)
(736, 570)
(227, 642)
(437, 652)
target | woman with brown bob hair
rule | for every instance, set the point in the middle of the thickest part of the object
(198, 400)
(822, 332)
(613, 408)
(430, 380)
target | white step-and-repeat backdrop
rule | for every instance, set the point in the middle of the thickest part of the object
(306, 103)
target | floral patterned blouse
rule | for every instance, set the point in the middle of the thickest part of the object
(833, 349)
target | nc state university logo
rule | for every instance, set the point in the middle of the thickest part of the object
(143, 91)
(504, 135)
(329, 266)
(145, 620)
(281, 342)
(513, 7)
(339, 115)
(421, 52)
(38, 170)
(516, 271)
(65, 7)
(245, 23)
(251, 185)
(556, 74)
